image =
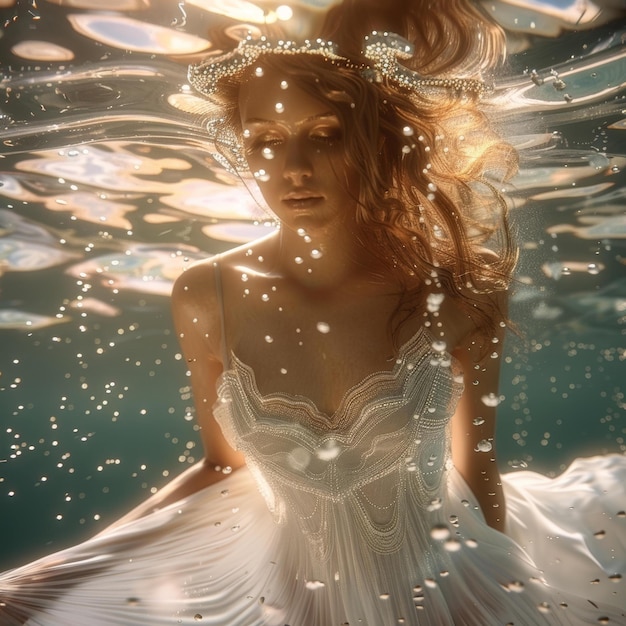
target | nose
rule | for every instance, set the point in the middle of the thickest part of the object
(297, 166)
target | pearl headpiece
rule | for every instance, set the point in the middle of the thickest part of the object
(381, 50)
(381, 55)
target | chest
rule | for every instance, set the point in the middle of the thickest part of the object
(319, 348)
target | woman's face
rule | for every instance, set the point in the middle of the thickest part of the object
(295, 147)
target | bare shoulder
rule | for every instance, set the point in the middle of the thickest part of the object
(200, 279)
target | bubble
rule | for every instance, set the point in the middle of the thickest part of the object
(543, 607)
(593, 269)
(316, 254)
(314, 584)
(283, 83)
(299, 260)
(407, 131)
(384, 596)
(439, 345)
(478, 421)
(483, 446)
(269, 338)
(279, 107)
(517, 464)
(299, 458)
(601, 534)
(258, 72)
(323, 327)
(515, 586)
(197, 617)
(435, 504)
(491, 400)
(432, 187)
(440, 532)
(433, 302)
(265, 297)
(452, 545)
(267, 153)
(262, 176)
(328, 451)
(284, 12)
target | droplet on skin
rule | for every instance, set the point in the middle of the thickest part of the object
(267, 153)
(483, 446)
(323, 327)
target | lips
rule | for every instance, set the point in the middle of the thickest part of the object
(301, 195)
(301, 199)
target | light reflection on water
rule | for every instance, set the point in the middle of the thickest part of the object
(108, 190)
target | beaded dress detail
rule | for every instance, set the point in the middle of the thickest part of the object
(355, 518)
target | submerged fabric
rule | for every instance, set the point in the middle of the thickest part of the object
(354, 518)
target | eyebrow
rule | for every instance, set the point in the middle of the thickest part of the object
(260, 120)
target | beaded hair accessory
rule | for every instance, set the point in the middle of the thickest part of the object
(381, 55)
(381, 50)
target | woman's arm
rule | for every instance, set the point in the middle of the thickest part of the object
(196, 315)
(474, 421)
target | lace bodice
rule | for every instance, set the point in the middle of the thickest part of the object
(384, 449)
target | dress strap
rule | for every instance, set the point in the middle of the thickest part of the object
(217, 272)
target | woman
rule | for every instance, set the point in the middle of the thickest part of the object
(346, 368)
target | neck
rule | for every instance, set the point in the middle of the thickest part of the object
(319, 260)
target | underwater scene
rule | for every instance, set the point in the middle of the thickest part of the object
(109, 189)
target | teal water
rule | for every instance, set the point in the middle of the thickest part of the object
(107, 191)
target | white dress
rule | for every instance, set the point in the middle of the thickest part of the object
(357, 518)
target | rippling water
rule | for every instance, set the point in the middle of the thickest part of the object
(107, 190)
